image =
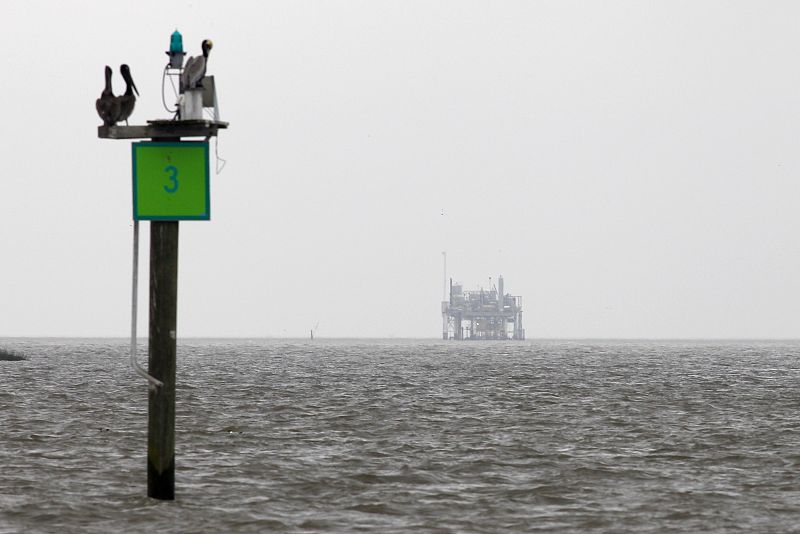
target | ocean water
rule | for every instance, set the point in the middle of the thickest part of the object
(408, 436)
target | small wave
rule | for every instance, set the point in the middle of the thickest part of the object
(375, 508)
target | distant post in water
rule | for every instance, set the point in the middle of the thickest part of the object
(170, 183)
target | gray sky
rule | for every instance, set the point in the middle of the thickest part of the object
(631, 168)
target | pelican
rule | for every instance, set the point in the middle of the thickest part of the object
(127, 101)
(107, 105)
(192, 76)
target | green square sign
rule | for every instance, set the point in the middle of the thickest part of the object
(170, 181)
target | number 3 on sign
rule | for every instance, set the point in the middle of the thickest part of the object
(173, 177)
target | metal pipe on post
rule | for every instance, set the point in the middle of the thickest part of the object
(162, 359)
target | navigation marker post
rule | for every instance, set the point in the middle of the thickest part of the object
(170, 184)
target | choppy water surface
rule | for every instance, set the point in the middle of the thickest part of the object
(408, 436)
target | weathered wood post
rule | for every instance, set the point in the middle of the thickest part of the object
(162, 349)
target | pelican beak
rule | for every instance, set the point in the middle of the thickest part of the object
(135, 90)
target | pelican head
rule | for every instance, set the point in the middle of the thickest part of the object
(125, 70)
(207, 46)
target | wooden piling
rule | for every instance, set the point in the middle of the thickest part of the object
(162, 359)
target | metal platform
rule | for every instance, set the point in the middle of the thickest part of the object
(163, 129)
(482, 314)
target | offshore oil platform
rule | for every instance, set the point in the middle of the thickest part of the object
(482, 314)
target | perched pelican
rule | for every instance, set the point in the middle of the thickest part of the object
(192, 76)
(127, 101)
(107, 105)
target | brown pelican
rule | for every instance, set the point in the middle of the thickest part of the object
(107, 105)
(128, 100)
(192, 76)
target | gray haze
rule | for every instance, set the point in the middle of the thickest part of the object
(629, 167)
